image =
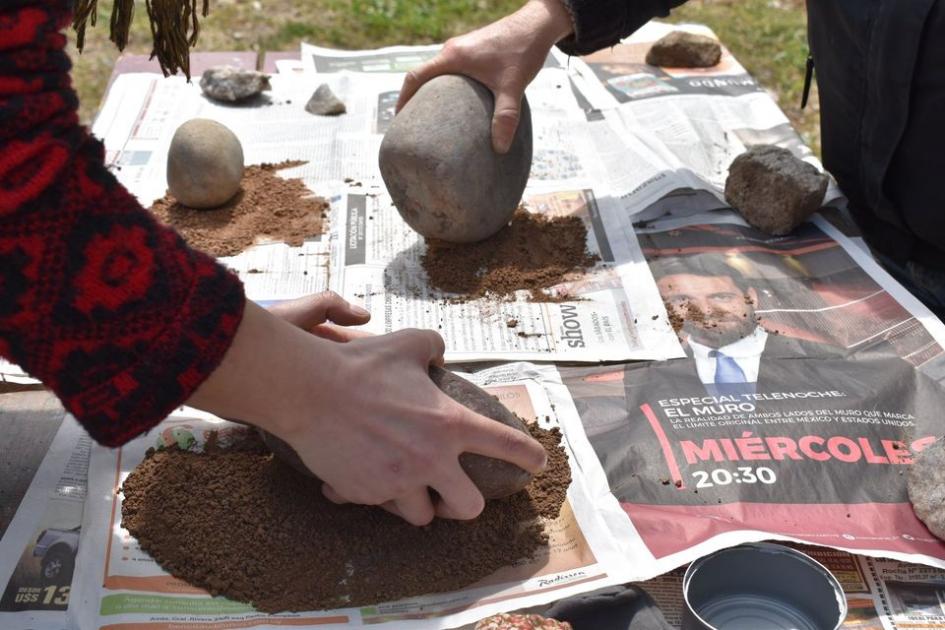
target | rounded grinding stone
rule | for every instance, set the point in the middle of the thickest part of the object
(494, 478)
(439, 166)
(926, 487)
(204, 164)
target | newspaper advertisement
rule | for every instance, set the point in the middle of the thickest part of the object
(807, 389)
(38, 549)
(123, 586)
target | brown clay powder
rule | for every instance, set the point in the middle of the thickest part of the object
(237, 522)
(533, 252)
(266, 205)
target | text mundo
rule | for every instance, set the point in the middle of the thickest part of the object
(839, 448)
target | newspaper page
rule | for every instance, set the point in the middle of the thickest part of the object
(810, 382)
(38, 550)
(703, 117)
(122, 586)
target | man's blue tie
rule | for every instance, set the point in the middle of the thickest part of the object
(729, 377)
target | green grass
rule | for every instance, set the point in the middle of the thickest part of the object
(767, 36)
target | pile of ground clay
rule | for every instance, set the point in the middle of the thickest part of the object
(266, 206)
(237, 522)
(533, 252)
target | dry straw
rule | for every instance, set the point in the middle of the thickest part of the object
(174, 28)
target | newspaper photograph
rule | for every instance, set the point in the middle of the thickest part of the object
(38, 550)
(580, 555)
(807, 389)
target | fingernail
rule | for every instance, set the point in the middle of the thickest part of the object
(360, 311)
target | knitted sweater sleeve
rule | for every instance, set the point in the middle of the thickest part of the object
(110, 309)
(602, 23)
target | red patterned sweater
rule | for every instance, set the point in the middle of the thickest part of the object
(111, 310)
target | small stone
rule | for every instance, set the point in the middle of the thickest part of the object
(774, 190)
(204, 164)
(681, 49)
(325, 103)
(439, 166)
(927, 487)
(231, 85)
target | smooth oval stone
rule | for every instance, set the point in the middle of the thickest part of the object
(494, 478)
(204, 164)
(439, 166)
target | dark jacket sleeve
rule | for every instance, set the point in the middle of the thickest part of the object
(110, 309)
(602, 23)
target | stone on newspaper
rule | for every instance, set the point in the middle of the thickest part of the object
(927, 487)
(231, 85)
(324, 102)
(442, 173)
(681, 49)
(774, 190)
(204, 164)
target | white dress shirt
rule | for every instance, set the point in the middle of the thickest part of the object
(746, 352)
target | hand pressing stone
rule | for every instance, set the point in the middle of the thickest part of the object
(681, 49)
(204, 164)
(774, 190)
(439, 166)
(494, 478)
(231, 85)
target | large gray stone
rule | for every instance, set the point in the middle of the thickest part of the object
(927, 487)
(774, 190)
(439, 166)
(323, 102)
(204, 164)
(681, 49)
(231, 85)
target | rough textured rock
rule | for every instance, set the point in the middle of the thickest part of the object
(494, 478)
(774, 190)
(927, 487)
(324, 102)
(204, 164)
(231, 85)
(681, 49)
(439, 166)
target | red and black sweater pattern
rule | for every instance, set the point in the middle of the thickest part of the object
(110, 309)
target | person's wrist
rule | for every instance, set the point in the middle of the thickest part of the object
(550, 19)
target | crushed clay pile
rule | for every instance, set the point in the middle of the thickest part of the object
(532, 253)
(237, 522)
(267, 206)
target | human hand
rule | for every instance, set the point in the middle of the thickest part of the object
(364, 415)
(325, 314)
(504, 56)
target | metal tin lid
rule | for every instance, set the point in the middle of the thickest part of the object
(761, 586)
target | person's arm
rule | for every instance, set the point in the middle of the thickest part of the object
(506, 55)
(124, 322)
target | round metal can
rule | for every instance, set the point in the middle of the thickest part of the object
(761, 586)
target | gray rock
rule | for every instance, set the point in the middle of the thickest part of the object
(204, 164)
(231, 85)
(681, 49)
(927, 487)
(324, 102)
(774, 190)
(439, 166)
